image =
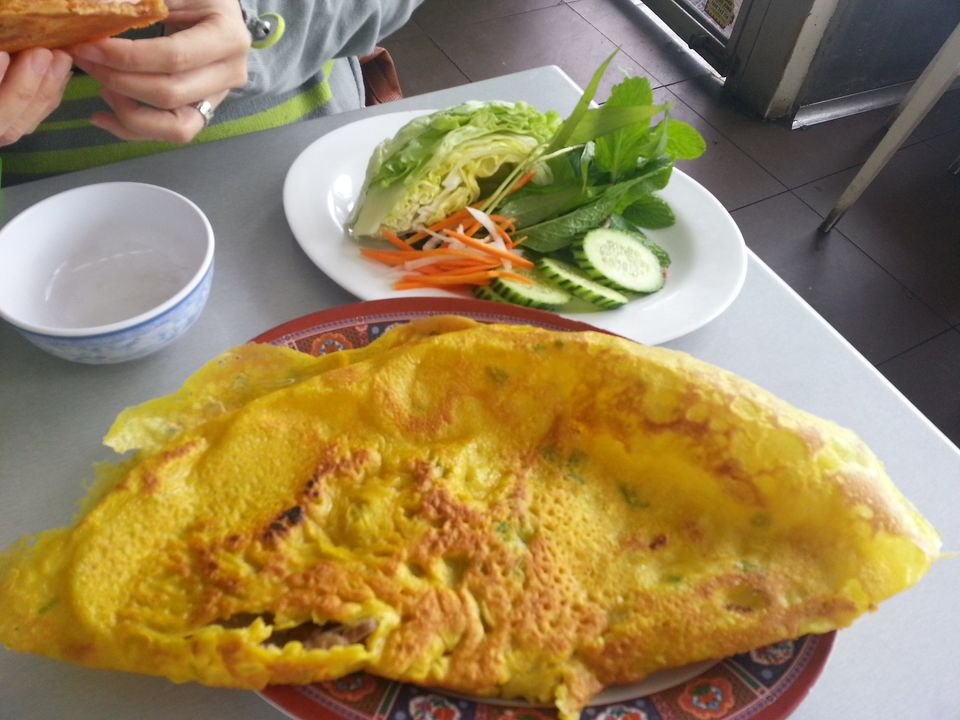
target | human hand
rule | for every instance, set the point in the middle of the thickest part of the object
(31, 87)
(151, 85)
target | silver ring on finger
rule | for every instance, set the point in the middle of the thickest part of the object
(205, 108)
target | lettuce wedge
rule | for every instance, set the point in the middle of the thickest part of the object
(435, 164)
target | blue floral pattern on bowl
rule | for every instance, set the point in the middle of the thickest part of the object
(130, 343)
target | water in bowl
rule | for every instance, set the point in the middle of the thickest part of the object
(117, 280)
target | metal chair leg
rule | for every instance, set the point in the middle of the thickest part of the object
(929, 87)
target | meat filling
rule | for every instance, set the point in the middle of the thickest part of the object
(323, 637)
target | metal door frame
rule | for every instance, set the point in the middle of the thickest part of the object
(769, 52)
(707, 41)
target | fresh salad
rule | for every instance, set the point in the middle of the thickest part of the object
(520, 206)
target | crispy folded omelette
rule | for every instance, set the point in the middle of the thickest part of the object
(58, 23)
(497, 510)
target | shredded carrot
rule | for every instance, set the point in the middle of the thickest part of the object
(474, 278)
(453, 278)
(391, 257)
(460, 254)
(507, 237)
(447, 267)
(504, 222)
(398, 257)
(515, 276)
(394, 239)
(522, 180)
(519, 260)
(417, 284)
(449, 221)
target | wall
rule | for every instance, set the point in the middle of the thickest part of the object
(875, 44)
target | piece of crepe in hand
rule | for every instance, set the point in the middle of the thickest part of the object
(498, 510)
(59, 23)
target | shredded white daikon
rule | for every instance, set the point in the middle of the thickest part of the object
(494, 237)
(488, 224)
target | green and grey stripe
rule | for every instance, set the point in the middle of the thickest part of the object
(68, 142)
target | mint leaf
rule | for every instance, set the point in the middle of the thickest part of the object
(617, 153)
(659, 138)
(683, 141)
(655, 175)
(559, 232)
(538, 204)
(613, 124)
(631, 91)
(650, 212)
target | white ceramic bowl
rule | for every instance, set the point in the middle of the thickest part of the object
(106, 273)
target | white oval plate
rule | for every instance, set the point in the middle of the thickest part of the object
(709, 257)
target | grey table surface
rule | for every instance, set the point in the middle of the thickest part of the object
(897, 662)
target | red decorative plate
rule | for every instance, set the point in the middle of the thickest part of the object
(764, 684)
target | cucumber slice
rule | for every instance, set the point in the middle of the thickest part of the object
(485, 292)
(538, 294)
(662, 256)
(619, 260)
(570, 278)
(618, 222)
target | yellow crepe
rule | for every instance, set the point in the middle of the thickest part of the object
(498, 510)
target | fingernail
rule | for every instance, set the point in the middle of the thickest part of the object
(88, 52)
(40, 60)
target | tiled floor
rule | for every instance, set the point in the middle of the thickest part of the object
(887, 277)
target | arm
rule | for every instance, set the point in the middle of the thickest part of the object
(151, 85)
(316, 31)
